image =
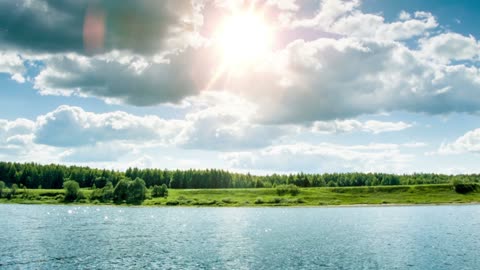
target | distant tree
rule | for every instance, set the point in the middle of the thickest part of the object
(14, 189)
(2, 187)
(331, 184)
(100, 182)
(160, 191)
(284, 189)
(72, 188)
(120, 193)
(136, 191)
(107, 192)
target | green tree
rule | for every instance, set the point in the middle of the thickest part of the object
(14, 189)
(136, 191)
(120, 193)
(107, 192)
(72, 188)
(2, 187)
(160, 191)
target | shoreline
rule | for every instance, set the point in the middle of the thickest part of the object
(248, 206)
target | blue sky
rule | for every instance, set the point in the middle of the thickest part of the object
(286, 86)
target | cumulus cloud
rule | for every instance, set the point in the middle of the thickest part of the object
(467, 143)
(327, 79)
(99, 152)
(12, 63)
(50, 26)
(16, 142)
(226, 124)
(365, 68)
(450, 46)
(345, 18)
(323, 157)
(345, 126)
(123, 77)
(287, 5)
(72, 126)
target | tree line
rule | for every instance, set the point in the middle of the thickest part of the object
(32, 175)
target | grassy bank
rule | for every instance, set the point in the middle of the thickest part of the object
(419, 194)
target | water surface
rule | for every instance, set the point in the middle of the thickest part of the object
(72, 237)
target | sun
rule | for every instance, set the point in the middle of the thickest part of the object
(244, 38)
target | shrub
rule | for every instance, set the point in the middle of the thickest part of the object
(277, 200)
(160, 191)
(464, 188)
(71, 190)
(284, 189)
(172, 202)
(259, 200)
(104, 194)
(81, 196)
(120, 193)
(136, 191)
(227, 200)
(2, 187)
(13, 190)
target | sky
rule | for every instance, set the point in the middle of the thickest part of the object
(266, 86)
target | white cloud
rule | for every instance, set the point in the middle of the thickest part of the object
(225, 124)
(72, 126)
(141, 26)
(467, 143)
(99, 152)
(345, 126)
(12, 63)
(128, 78)
(404, 15)
(345, 18)
(287, 5)
(450, 46)
(216, 121)
(326, 79)
(323, 157)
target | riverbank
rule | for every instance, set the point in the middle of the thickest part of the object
(379, 195)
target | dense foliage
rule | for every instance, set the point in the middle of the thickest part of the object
(33, 175)
(287, 189)
(72, 190)
(160, 191)
(464, 187)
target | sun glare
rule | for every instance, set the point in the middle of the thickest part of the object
(244, 38)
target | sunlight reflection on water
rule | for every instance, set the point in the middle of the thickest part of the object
(46, 237)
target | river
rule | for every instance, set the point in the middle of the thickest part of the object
(107, 237)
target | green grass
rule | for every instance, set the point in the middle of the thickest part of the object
(421, 194)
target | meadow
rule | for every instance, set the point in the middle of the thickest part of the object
(256, 197)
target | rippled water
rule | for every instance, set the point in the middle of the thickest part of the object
(68, 237)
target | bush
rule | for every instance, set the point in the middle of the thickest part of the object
(136, 191)
(227, 200)
(7, 193)
(277, 200)
(120, 193)
(464, 188)
(81, 196)
(13, 190)
(172, 202)
(2, 187)
(104, 194)
(284, 189)
(71, 190)
(160, 191)
(259, 200)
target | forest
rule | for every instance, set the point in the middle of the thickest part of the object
(53, 176)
